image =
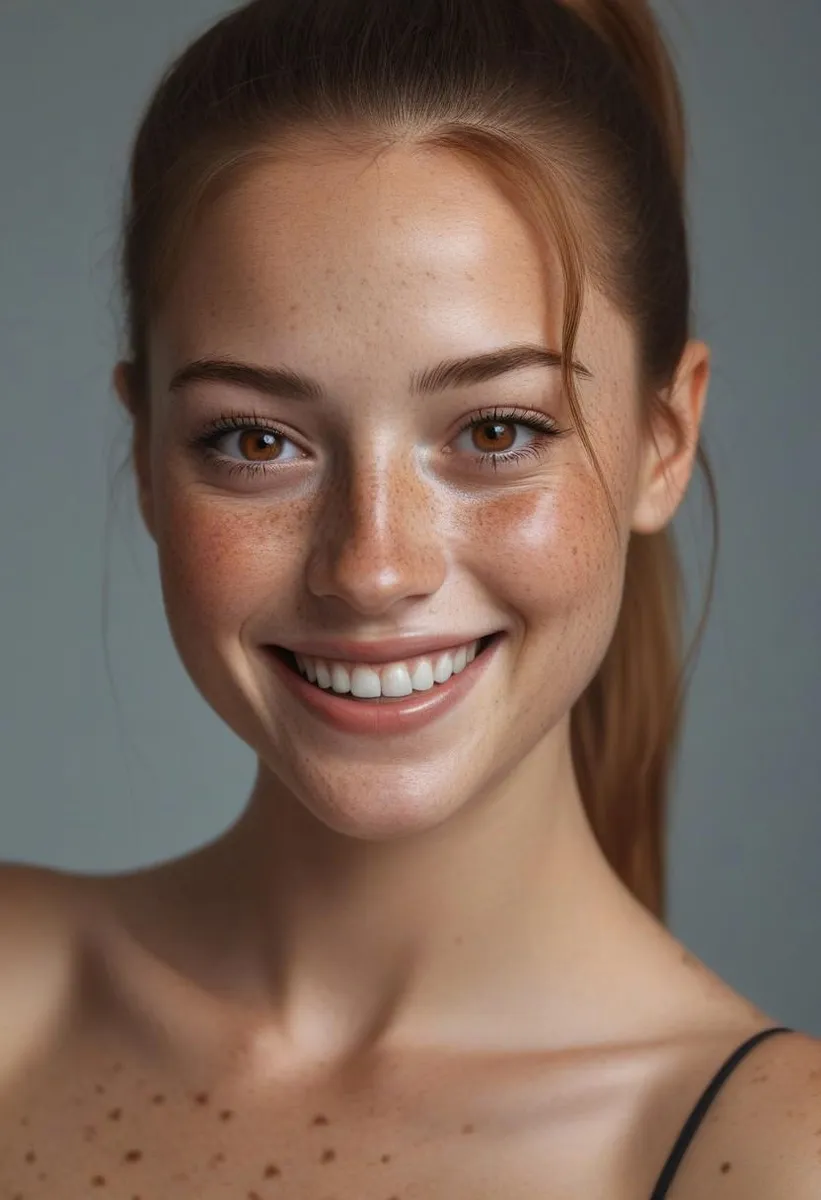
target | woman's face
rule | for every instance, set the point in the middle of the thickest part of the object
(373, 510)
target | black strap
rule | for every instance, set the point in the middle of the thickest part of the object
(697, 1115)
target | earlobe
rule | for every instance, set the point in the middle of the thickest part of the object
(123, 386)
(671, 443)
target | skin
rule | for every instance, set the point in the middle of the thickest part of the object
(410, 878)
(370, 857)
(415, 941)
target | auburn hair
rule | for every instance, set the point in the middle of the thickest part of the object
(574, 108)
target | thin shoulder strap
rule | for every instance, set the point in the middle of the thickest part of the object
(697, 1115)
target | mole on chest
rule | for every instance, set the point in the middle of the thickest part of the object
(126, 1140)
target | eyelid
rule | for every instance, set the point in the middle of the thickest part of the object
(511, 416)
(537, 422)
(239, 423)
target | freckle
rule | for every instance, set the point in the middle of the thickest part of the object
(226, 1114)
(98, 1180)
(158, 1099)
(271, 1171)
(725, 1167)
(201, 1097)
(467, 1129)
(328, 1156)
(133, 1156)
(386, 1158)
(254, 1196)
(115, 1114)
(100, 1090)
(43, 1175)
(760, 1078)
(31, 1157)
(320, 1120)
(24, 1120)
(89, 1133)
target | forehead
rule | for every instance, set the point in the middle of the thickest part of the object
(412, 256)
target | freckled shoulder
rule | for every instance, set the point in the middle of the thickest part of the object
(762, 1137)
(787, 1124)
(38, 936)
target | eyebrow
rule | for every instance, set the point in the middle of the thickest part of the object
(452, 373)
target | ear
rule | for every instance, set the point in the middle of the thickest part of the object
(671, 442)
(136, 407)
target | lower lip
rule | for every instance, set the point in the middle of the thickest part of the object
(380, 718)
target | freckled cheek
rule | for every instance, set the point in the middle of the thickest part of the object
(549, 552)
(223, 562)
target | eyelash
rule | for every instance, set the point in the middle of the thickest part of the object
(539, 423)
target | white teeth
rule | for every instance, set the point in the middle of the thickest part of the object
(365, 683)
(422, 678)
(396, 681)
(340, 679)
(392, 680)
(443, 668)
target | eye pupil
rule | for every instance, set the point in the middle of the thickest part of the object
(255, 443)
(498, 429)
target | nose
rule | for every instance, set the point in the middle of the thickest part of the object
(377, 540)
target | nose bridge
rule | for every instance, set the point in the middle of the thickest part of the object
(377, 539)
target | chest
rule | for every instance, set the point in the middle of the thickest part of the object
(113, 1127)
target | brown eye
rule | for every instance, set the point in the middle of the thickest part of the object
(245, 445)
(494, 435)
(490, 439)
(259, 445)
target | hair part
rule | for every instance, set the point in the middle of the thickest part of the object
(574, 109)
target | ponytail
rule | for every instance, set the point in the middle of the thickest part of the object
(626, 725)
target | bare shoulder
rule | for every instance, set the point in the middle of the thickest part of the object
(39, 925)
(784, 1118)
(762, 1137)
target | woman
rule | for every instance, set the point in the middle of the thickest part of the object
(414, 399)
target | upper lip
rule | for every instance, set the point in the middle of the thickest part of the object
(389, 650)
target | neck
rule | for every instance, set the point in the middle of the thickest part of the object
(504, 926)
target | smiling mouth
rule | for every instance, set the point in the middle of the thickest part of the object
(288, 658)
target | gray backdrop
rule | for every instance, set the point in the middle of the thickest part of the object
(104, 773)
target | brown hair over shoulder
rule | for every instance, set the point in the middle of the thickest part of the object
(574, 108)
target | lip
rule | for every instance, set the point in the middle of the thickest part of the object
(388, 650)
(379, 718)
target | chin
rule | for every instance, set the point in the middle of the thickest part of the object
(370, 803)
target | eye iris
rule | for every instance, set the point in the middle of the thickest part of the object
(255, 443)
(497, 427)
